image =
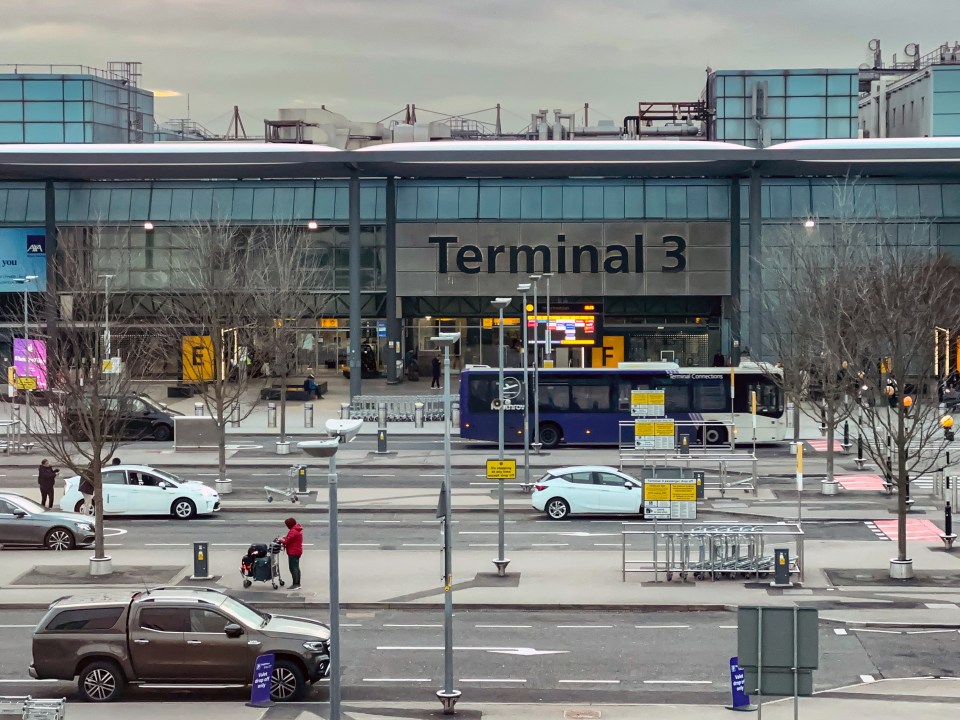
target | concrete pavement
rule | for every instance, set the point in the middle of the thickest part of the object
(893, 699)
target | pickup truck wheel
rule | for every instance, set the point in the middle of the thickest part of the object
(183, 509)
(286, 683)
(101, 681)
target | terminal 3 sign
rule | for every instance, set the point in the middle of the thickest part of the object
(586, 259)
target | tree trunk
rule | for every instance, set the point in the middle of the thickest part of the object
(796, 420)
(902, 481)
(99, 551)
(222, 449)
(283, 402)
(831, 434)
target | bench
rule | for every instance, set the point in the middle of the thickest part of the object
(295, 393)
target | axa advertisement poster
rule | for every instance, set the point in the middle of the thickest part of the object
(23, 252)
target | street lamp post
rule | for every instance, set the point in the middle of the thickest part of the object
(536, 366)
(26, 344)
(547, 347)
(523, 288)
(106, 316)
(341, 431)
(501, 562)
(448, 696)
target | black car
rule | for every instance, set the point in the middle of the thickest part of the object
(133, 417)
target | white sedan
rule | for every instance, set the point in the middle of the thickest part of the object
(144, 490)
(584, 489)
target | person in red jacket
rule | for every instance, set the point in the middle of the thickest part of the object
(293, 543)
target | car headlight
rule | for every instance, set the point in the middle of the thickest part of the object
(316, 647)
(84, 527)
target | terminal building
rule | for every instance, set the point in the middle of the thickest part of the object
(650, 238)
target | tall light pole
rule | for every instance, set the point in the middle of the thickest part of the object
(448, 696)
(106, 316)
(26, 343)
(341, 431)
(501, 562)
(547, 348)
(536, 367)
(523, 288)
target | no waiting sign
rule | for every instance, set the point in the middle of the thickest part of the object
(501, 469)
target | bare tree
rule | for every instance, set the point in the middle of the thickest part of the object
(88, 417)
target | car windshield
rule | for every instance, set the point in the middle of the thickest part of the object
(244, 613)
(154, 405)
(29, 505)
(167, 476)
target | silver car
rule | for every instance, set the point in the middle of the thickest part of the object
(24, 522)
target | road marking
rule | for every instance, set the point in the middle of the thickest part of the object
(431, 545)
(266, 522)
(492, 680)
(381, 522)
(406, 625)
(359, 544)
(661, 627)
(18, 626)
(343, 625)
(483, 545)
(941, 606)
(928, 632)
(27, 680)
(549, 544)
(582, 627)
(839, 631)
(870, 630)
(603, 682)
(610, 544)
(678, 682)
(166, 544)
(501, 650)
(441, 475)
(868, 678)
(396, 680)
(573, 533)
(489, 522)
(498, 627)
(728, 627)
(378, 475)
(267, 474)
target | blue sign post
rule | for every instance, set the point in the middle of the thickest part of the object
(740, 699)
(262, 674)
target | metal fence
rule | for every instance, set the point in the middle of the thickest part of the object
(709, 550)
(400, 408)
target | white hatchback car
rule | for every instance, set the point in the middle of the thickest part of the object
(587, 489)
(144, 490)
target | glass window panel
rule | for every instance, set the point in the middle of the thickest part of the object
(282, 204)
(11, 90)
(181, 201)
(79, 208)
(427, 198)
(43, 132)
(865, 201)
(776, 85)
(406, 202)
(655, 201)
(242, 208)
(572, 202)
(160, 204)
(613, 202)
(72, 90)
(119, 208)
(838, 84)
(734, 108)
(806, 106)
(886, 201)
(16, 205)
(720, 85)
(823, 197)
(951, 200)
(776, 107)
(73, 133)
(510, 202)
(341, 204)
(676, 202)
(302, 201)
(553, 397)
(805, 128)
(222, 202)
(43, 89)
(262, 204)
(530, 208)
(10, 111)
(35, 205)
(908, 201)
(380, 204)
(696, 201)
(368, 202)
(489, 202)
(780, 201)
(88, 111)
(99, 205)
(590, 398)
(551, 202)
(839, 106)
(202, 204)
(469, 196)
(73, 112)
(733, 86)
(710, 396)
(838, 128)
(593, 202)
(448, 202)
(733, 130)
(800, 201)
(718, 202)
(633, 205)
(806, 85)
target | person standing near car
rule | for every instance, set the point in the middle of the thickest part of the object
(293, 544)
(46, 479)
(86, 489)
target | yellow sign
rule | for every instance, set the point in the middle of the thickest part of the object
(501, 469)
(107, 365)
(197, 355)
(11, 375)
(886, 365)
(683, 493)
(656, 493)
(548, 363)
(495, 322)
(610, 352)
(329, 323)
(25, 382)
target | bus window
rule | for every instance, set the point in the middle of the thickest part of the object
(769, 397)
(625, 386)
(554, 397)
(593, 397)
(483, 391)
(710, 395)
(676, 394)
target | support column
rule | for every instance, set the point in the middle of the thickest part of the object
(50, 309)
(355, 308)
(393, 323)
(733, 303)
(756, 267)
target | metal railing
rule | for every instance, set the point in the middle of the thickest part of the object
(400, 408)
(708, 550)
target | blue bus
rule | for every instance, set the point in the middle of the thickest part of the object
(585, 406)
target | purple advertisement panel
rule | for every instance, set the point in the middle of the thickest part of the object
(30, 359)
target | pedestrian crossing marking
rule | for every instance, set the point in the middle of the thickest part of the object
(821, 445)
(918, 530)
(860, 482)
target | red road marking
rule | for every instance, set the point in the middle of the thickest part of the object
(860, 482)
(918, 529)
(821, 445)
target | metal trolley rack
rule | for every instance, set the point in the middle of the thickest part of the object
(709, 550)
(30, 708)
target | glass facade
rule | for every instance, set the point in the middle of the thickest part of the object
(47, 108)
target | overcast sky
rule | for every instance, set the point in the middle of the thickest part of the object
(368, 58)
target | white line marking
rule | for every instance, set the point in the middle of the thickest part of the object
(482, 545)
(18, 626)
(610, 544)
(728, 627)
(378, 475)
(582, 627)
(493, 680)
(432, 545)
(381, 522)
(549, 544)
(927, 632)
(839, 631)
(396, 680)
(267, 474)
(422, 475)
(868, 678)
(678, 682)
(885, 632)
(359, 544)
(166, 544)
(498, 627)
(27, 680)
(403, 625)
(350, 625)
(660, 627)
(605, 682)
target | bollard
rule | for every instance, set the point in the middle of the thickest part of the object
(235, 414)
(344, 411)
(381, 428)
(684, 444)
(418, 414)
(308, 415)
(846, 436)
(301, 479)
(947, 519)
(201, 561)
(781, 568)
(271, 415)
(198, 409)
(455, 413)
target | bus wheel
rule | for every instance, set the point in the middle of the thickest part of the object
(715, 435)
(549, 435)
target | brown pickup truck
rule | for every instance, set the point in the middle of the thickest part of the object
(190, 637)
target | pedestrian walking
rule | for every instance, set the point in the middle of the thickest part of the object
(115, 461)
(46, 479)
(435, 368)
(86, 489)
(293, 543)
